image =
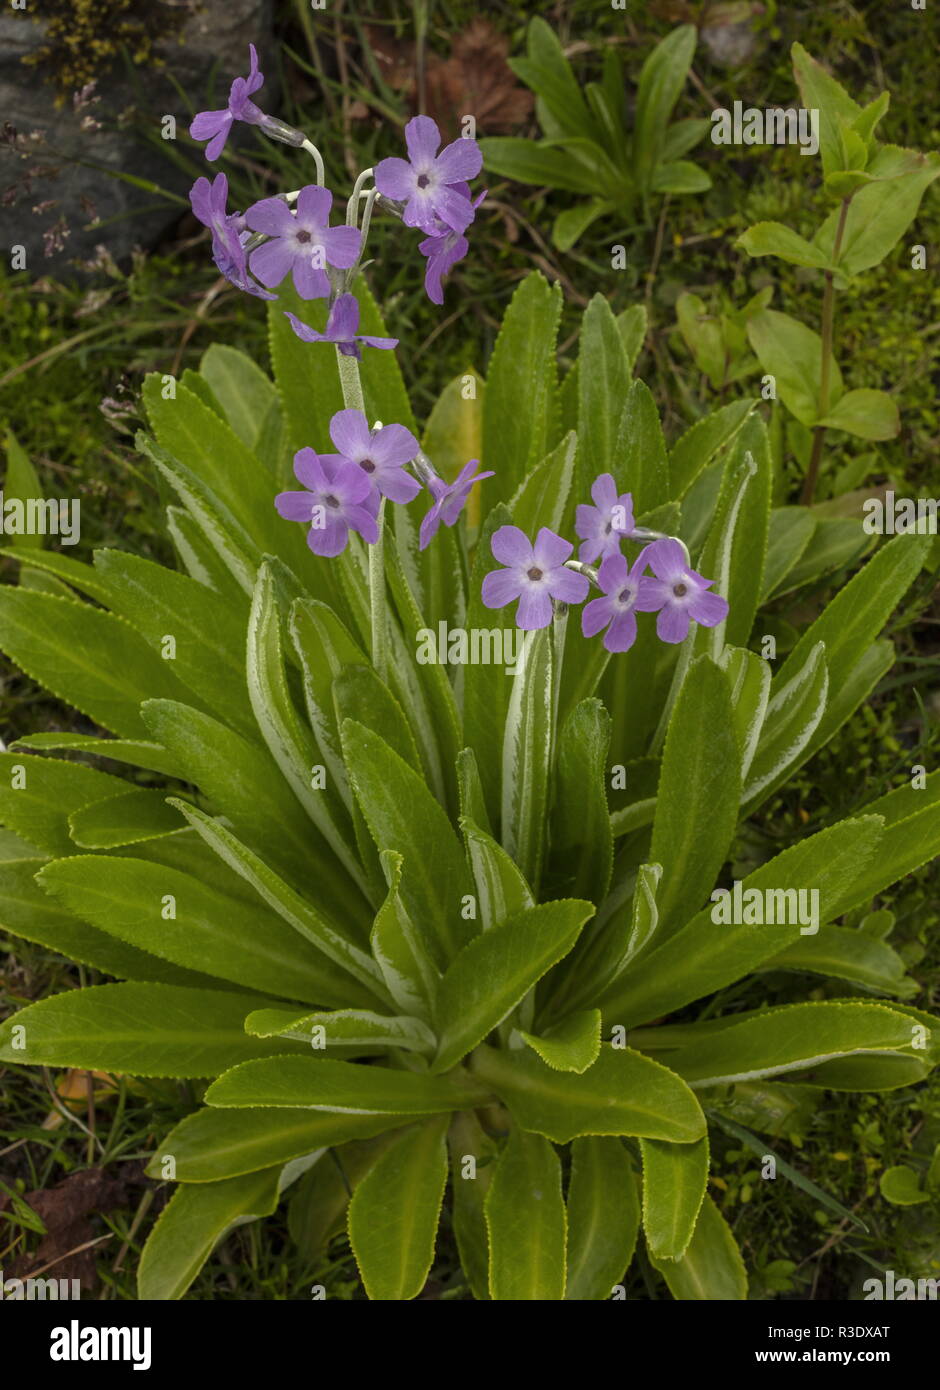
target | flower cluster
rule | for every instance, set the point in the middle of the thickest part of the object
(291, 234)
(343, 491)
(536, 574)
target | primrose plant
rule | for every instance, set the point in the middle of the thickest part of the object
(419, 884)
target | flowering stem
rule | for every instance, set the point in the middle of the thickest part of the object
(352, 206)
(828, 315)
(318, 159)
(353, 400)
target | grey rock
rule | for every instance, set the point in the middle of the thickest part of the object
(59, 173)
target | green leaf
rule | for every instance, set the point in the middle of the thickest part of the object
(851, 621)
(242, 389)
(793, 716)
(572, 1045)
(823, 93)
(581, 838)
(139, 814)
(495, 971)
(487, 688)
(135, 752)
(212, 1144)
(342, 1087)
(704, 336)
(674, 1181)
(835, 543)
(403, 816)
(603, 375)
(343, 1028)
(543, 496)
(469, 1185)
(680, 176)
(27, 912)
(603, 1218)
(85, 657)
(632, 325)
(502, 891)
(879, 213)
(622, 1093)
(570, 224)
(662, 78)
(21, 484)
(705, 955)
(849, 954)
(175, 916)
(694, 450)
(531, 161)
(287, 738)
(791, 529)
(526, 1221)
(400, 950)
(137, 1029)
(318, 1207)
(901, 1187)
(711, 1268)
(699, 785)
(527, 753)
(867, 414)
(394, 1213)
(330, 944)
(774, 239)
(547, 71)
(520, 382)
(792, 354)
(639, 462)
(208, 635)
(192, 1224)
(749, 682)
(38, 795)
(795, 1037)
(906, 844)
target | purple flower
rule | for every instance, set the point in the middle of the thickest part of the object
(381, 454)
(601, 527)
(214, 126)
(228, 235)
(534, 574)
(425, 181)
(679, 593)
(338, 501)
(341, 329)
(626, 592)
(449, 500)
(302, 242)
(443, 249)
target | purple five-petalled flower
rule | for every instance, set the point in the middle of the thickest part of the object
(380, 454)
(215, 126)
(443, 249)
(342, 328)
(680, 593)
(428, 183)
(209, 202)
(302, 242)
(449, 500)
(534, 574)
(626, 592)
(603, 526)
(339, 499)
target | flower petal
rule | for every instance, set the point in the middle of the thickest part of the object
(295, 506)
(271, 262)
(393, 444)
(350, 433)
(510, 546)
(460, 161)
(596, 615)
(423, 140)
(313, 205)
(551, 550)
(621, 634)
(709, 609)
(341, 245)
(395, 179)
(500, 587)
(672, 625)
(568, 586)
(535, 608)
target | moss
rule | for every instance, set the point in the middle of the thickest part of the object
(83, 38)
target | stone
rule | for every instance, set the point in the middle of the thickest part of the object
(58, 172)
